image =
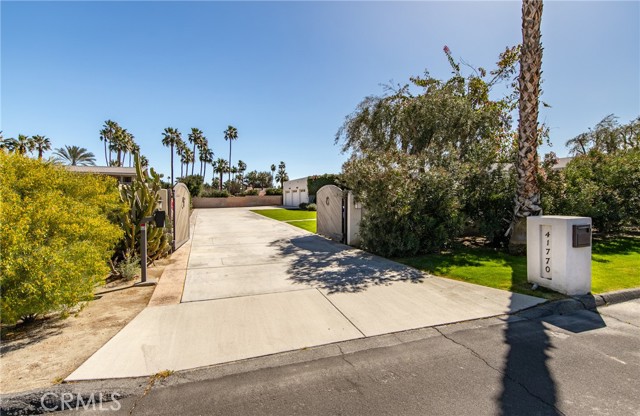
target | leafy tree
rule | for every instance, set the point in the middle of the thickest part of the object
(41, 144)
(602, 181)
(257, 179)
(171, 138)
(527, 191)
(230, 134)
(194, 183)
(608, 136)
(430, 133)
(56, 236)
(74, 156)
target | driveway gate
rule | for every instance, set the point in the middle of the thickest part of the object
(330, 205)
(182, 206)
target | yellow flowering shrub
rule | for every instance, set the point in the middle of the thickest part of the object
(56, 236)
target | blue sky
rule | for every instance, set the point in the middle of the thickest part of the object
(286, 73)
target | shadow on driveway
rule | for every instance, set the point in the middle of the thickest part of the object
(338, 268)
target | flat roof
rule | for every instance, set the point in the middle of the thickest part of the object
(104, 170)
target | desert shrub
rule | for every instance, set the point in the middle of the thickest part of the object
(129, 266)
(303, 205)
(273, 191)
(408, 210)
(215, 193)
(312, 207)
(56, 236)
(194, 184)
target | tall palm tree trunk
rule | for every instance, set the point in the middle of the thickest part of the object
(194, 158)
(528, 191)
(106, 159)
(230, 140)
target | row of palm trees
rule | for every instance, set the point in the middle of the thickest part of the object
(26, 144)
(172, 138)
(70, 155)
(118, 144)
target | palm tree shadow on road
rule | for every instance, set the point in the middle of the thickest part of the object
(528, 385)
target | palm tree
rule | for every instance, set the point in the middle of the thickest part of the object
(187, 158)
(196, 137)
(221, 166)
(231, 134)
(74, 156)
(242, 167)
(171, 137)
(108, 134)
(528, 191)
(21, 145)
(282, 176)
(206, 157)
(41, 144)
(273, 173)
(181, 148)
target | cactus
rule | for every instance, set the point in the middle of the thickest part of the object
(142, 197)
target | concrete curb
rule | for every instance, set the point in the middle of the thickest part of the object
(577, 303)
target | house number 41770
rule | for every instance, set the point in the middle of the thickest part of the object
(546, 249)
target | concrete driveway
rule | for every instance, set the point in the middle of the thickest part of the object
(255, 286)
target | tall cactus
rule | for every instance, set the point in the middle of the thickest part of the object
(142, 197)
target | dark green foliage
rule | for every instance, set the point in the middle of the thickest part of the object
(194, 184)
(142, 197)
(487, 200)
(257, 179)
(214, 193)
(318, 181)
(251, 192)
(273, 191)
(412, 212)
(605, 187)
(303, 205)
(233, 187)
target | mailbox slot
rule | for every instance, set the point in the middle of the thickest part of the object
(159, 218)
(581, 235)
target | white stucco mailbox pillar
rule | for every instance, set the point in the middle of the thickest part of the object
(559, 253)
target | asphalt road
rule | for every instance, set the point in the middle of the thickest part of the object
(578, 363)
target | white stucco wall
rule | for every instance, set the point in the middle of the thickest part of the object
(295, 192)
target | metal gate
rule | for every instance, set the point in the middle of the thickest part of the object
(330, 205)
(182, 207)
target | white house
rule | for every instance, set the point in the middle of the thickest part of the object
(295, 192)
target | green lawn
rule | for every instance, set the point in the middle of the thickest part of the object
(298, 218)
(615, 265)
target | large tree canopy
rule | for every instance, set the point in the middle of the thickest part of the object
(419, 153)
